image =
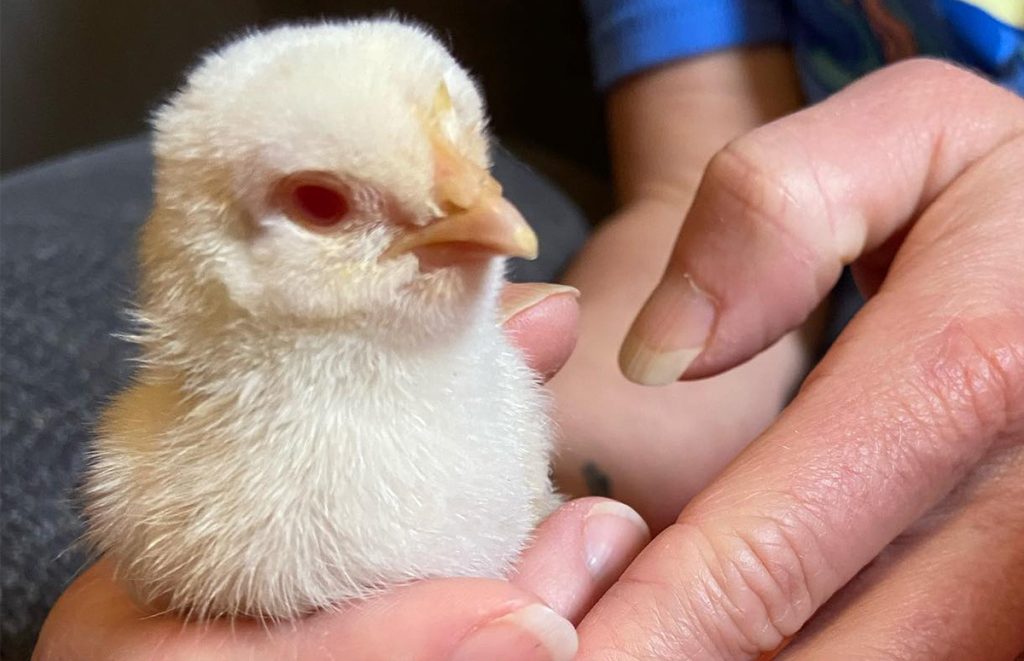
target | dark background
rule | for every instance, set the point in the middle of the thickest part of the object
(79, 72)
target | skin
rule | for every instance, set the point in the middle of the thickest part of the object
(879, 515)
(657, 448)
(96, 619)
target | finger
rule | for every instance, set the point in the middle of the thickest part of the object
(952, 589)
(439, 619)
(542, 320)
(576, 553)
(579, 551)
(782, 209)
(925, 382)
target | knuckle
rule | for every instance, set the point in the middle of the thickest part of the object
(972, 372)
(931, 71)
(758, 578)
(743, 172)
(941, 78)
(757, 179)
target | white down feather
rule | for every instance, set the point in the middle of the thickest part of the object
(308, 426)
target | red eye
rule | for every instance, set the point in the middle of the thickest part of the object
(314, 199)
(320, 205)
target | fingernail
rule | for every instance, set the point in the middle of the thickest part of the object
(669, 333)
(520, 297)
(606, 527)
(532, 633)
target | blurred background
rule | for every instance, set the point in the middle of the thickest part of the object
(75, 73)
(78, 80)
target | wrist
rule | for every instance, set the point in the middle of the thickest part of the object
(667, 123)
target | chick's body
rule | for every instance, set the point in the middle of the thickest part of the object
(316, 417)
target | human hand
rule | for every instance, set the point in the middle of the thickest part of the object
(653, 448)
(656, 448)
(912, 427)
(576, 554)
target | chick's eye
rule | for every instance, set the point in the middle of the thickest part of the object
(319, 205)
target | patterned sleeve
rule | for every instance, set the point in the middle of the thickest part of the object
(629, 36)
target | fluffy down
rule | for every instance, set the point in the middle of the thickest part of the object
(312, 421)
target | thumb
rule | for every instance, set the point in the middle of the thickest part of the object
(541, 319)
(780, 211)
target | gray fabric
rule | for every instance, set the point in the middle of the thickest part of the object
(66, 259)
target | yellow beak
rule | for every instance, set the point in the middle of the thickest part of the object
(491, 224)
(477, 216)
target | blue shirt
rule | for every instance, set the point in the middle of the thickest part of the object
(834, 41)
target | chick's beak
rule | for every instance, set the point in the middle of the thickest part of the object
(478, 218)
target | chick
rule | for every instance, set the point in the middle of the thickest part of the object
(326, 405)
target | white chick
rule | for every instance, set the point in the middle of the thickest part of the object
(326, 405)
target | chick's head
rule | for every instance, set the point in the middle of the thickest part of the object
(333, 173)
